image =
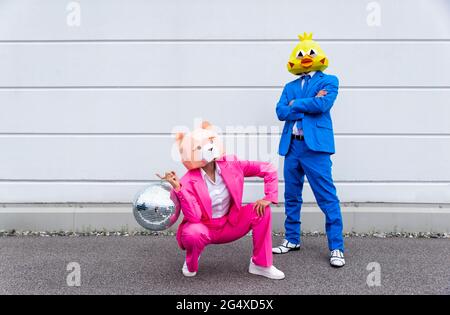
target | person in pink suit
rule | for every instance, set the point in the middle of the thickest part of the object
(210, 196)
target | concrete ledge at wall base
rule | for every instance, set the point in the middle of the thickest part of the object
(358, 218)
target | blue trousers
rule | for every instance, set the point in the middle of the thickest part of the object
(301, 161)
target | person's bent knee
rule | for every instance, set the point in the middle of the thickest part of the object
(268, 213)
(194, 234)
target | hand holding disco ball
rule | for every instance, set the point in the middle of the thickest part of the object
(156, 208)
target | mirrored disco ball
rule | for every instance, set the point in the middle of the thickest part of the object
(155, 208)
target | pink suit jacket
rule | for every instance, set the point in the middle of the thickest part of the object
(193, 195)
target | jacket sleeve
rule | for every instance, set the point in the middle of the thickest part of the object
(284, 111)
(317, 105)
(189, 205)
(263, 170)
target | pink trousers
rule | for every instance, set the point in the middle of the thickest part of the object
(195, 236)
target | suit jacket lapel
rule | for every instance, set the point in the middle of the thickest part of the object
(202, 192)
(312, 82)
(229, 179)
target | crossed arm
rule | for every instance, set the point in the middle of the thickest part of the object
(297, 108)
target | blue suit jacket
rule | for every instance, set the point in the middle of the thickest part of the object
(315, 112)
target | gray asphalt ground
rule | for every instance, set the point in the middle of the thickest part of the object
(152, 265)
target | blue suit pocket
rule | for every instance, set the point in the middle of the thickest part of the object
(325, 125)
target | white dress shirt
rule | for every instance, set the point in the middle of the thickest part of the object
(295, 131)
(218, 191)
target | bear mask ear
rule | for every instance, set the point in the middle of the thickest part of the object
(178, 138)
(206, 125)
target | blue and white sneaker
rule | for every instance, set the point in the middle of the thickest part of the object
(285, 247)
(337, 258)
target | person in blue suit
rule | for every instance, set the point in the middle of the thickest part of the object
(307, 143)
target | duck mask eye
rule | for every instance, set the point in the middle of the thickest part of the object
(312, 53)
(199, 147)
(301, 54)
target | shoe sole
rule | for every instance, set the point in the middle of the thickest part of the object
(336, 266)
(290, 250)
(189, 275)
(264, 275)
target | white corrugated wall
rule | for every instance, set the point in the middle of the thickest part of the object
(88, 109)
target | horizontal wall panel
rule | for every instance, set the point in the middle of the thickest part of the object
(232, 19)
(358, 158)
(88, 111)
(358, 64)
(357, 111)
(49, 192)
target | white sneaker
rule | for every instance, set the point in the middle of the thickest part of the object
(269, 272)
(286, 247)
(186, 271)
(337, 258)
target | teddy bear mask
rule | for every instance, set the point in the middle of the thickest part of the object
(200, 146)
(307, 56)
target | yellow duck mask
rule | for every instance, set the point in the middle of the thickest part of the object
(307, 56)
